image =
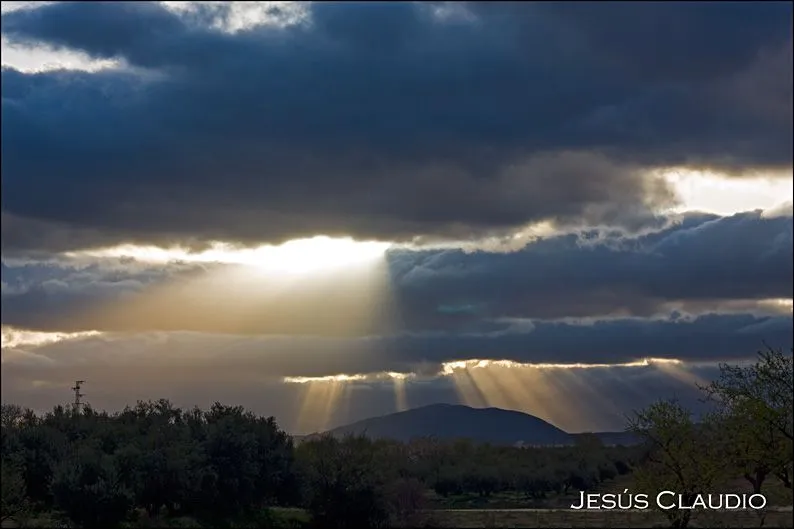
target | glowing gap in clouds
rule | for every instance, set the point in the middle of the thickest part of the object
(299, 256)
(450, 367)
(14, 338)
(723, 195)
(786, 305)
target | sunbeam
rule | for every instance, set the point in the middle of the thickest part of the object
(557, 393)
(325, 397)
(400, 396)
(316, 286)
(561, 394)
(680, 373)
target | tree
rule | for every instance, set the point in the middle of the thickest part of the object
(343, 486)
(41, 447)
(248, 461)
(756, 405)
(754, 447)
(13, 501)
(449, 481)
(405, 500)
(11, 416)
(87, 488)
(683, 456)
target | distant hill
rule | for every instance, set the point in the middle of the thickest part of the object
(449, 421)
(485, 425)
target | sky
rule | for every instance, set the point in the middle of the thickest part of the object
(331, 211)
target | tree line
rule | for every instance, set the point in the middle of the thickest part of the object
(226, 465)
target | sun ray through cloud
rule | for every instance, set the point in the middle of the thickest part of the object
(558, 393)
(315, 286)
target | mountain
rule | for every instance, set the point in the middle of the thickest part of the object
(449, 421)
(484, 425)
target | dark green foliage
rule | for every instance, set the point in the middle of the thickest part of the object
(13, 499)
(748, 434)
(86, 486)
(537, 472)
(343, 485)
(755, 407)
(98, 468)
(155, 465)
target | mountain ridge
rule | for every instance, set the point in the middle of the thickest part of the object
(456, 421)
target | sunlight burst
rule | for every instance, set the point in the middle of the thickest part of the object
(299, 256)
(723, 195)
(318, 286)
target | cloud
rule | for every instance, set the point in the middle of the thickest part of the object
(694, 264)
(382, 120)
(702, 259)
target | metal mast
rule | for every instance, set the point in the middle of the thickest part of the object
(77, 394)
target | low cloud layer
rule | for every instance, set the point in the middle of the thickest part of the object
(392, 121)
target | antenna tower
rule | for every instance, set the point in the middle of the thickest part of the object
(77, 394)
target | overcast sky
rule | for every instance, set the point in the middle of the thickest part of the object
(571, 209)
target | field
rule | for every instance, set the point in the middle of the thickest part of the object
(776, 495)
(567, 518)
(514, 518)
(513, 510)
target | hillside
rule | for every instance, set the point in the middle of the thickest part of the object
(491, 425)
(448, 421)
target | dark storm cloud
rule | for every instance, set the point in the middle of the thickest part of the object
(29, 238)
(381, 120)
(37, 294)
(707, 337)
(694, 41)
(699, 264)
(703, 258)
